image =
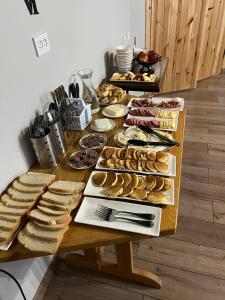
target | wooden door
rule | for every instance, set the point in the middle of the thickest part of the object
(191, 34)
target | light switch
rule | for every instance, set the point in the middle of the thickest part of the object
(41, 44)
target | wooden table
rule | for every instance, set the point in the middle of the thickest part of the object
(92, 239)
(141, 86)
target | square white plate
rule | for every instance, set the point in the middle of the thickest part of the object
(92, 190)
(86, 215)
(171, 164)
(160, 99)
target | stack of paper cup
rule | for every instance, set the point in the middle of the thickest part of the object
(124, 58)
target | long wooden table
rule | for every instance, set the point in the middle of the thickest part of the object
(92, 239)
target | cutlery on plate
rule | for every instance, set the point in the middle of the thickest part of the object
(110, 218)
(145, 143)
(152, 131)
(111, 211)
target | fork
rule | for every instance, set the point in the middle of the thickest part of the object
(110, 218)
(107, 210)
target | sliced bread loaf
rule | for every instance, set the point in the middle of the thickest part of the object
(7, 225)
(26, 188)
(60, 199)
(55, 227)
(36, 231)
(66, 187)
(20, 196)
(36, 179)
(4, 210)
(40, 216)
(36, 244)
(9, 202)
(51, 211)
(65, 208)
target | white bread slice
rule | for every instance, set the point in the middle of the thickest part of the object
(36, 179)
(38, 232)
(37, 214)
(55, 227)
(60, 199)
(27, 189)
(10, 218)
(4, 210)
(51, 211)
(9, 202)
(7, 235)
(36, 244)
(66, 187)
(20, 196)
(65, 208)
(7, 225)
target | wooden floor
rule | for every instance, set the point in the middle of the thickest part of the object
(191, 263)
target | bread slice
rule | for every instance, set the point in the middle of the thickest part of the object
(65, 208)
(36, 231)
(51, 211)
(7, 235)
(27, 189)
(55, 227)
(36, 179)
(66, 187)
(60, 199)
(37, 214)
(9, 202)
(9, 218)
(4, 210)
(7, 225)
(36, 244)
(20, 196)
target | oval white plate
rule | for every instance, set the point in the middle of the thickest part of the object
(125, 108)
(93, 127)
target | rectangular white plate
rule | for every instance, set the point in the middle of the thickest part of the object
(86, 215)
(158, 100)
(152, 119)
(171, 164)
(92, 190)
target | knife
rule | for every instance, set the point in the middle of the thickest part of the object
(150, 130)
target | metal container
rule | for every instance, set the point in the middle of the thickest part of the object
(57, 135)
(45, 150)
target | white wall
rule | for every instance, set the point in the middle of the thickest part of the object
(138, 21)
(80, 33)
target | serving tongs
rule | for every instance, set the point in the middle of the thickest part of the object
(164, 138)
(145, 143)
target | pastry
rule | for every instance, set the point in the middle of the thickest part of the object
(110, 94)
(99, 179)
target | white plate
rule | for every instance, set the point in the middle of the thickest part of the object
(171, 164)
(125, 110)
(95, 191)
(157, 100)
(86, 215)
(152, 119)
(93, 127)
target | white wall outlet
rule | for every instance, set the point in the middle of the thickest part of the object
(41, 43)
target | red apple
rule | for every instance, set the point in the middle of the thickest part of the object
(143, 58)
(153, 57)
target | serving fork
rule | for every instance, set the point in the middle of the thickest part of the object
(109, 215)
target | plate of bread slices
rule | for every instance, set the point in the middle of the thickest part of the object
(20, 197)
(50, 219)
(148, 189)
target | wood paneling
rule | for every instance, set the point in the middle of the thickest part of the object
(191, 33)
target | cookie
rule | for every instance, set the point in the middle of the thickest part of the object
(138, 194)
(162, 157)
(112, 192)
(150, 182)
(99, 178)
(161, 167)
(159, 184)
(156, 197)
(111, 179)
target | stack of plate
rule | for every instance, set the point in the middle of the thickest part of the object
(124, 57)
